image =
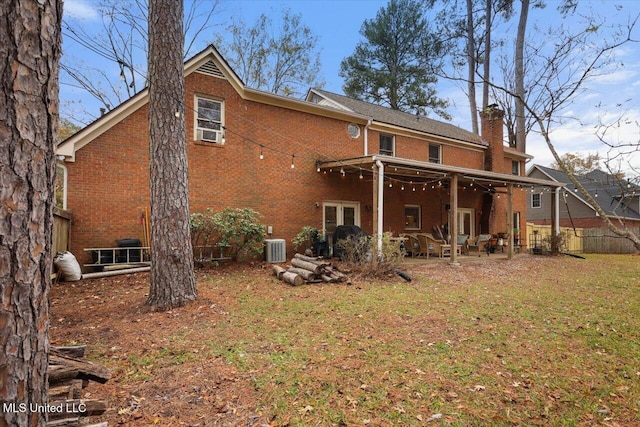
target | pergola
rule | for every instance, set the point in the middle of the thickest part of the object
(419, 172)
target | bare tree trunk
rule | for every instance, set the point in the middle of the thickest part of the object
(471, 58)
(172, 276)
(486, 74)
(29, 66)
(521, 132)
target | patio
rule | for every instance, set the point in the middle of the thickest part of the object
(448, 187)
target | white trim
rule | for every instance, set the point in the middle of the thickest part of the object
(65, 185)
(196, 128)
(419, 227)
(539, 200)
(340, 205)
(439, 146)
(393, 144)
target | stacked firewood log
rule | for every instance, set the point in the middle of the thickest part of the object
(68, 375)
(306, 269)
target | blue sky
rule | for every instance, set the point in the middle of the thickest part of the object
(337, 24)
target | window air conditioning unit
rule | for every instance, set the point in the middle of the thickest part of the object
(208, 135)
(275, 250)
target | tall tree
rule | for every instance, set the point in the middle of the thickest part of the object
(520, 133)
(398, 62)
(29, 66)
(561, 71)
(468, 27)
(471, 68)
(578, 164)
(282, 59)
(122, 40)
(172, 276)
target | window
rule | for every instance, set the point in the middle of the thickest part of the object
(61, 186)
(536, 200)
(515, 167)
(435, 153)
(412, 217)
(386, 145)
(209, 121)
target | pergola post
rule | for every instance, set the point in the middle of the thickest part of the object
(510, 220)
(453, 222)
(555, 214)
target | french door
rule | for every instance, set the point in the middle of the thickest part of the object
(466, 223)
(339, 213)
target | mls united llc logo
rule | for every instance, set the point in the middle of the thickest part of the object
(65, 407)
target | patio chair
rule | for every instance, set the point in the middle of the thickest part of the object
(462, 242)
(424, 245)
(479, 243)
(434, 246)
(412, 245)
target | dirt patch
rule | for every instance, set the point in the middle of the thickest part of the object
(110, 316)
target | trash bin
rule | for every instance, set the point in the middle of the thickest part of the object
(134, 255)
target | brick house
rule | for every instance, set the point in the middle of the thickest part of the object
(324, 161)
(619, 198)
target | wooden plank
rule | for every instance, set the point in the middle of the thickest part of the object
(86, 370)
(71, 351)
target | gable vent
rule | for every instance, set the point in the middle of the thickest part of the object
(210, 68)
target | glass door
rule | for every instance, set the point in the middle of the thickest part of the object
(465, 222)
(339, 213)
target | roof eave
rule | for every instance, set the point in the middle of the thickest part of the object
(499, 178)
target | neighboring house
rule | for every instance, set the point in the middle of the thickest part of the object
(324, 161)
(618, 198)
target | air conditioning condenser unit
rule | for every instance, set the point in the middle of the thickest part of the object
(275, 250)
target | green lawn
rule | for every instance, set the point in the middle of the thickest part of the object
(555, 343)
(533, 341)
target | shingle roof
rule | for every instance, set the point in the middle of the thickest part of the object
(605, 188)
(405, 120)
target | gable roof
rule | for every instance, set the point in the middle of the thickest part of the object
(392, 117)
(603, 187)
(209, 61)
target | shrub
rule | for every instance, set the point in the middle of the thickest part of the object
(307, 238)
(361, 254)
(238, 230)
(556, 243)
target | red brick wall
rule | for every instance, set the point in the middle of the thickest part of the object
(108, 185)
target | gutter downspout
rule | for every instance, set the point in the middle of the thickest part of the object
(366, 137)
(556, 212)
(380, 202)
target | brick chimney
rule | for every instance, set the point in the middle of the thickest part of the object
(492, 122)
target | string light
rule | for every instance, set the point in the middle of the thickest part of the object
(342, 171)
(361, 177)
(262, 156)
(292, 164)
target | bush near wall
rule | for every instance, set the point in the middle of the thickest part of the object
(239, 231)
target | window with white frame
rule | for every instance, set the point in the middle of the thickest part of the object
(61, 186)
(412, 217)
(435, 153)
(536, 200)
(515, 167)
(387, 146)
(209, 120)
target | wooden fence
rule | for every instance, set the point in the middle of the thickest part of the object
(538, 238)
(603, 241)
(581, 240)
(61, 231)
